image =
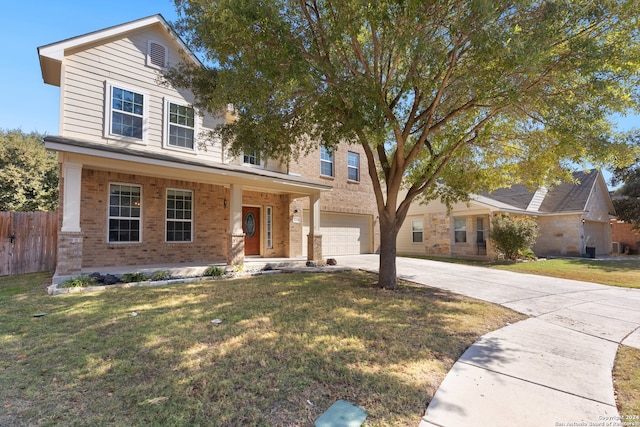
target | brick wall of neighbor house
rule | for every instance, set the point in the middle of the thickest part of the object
(209, 228)
(559, 235)
(347, 196)
(437, 234)
(623, 232)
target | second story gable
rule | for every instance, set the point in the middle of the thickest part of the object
(111, 90)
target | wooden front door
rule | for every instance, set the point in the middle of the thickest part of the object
(251, 228)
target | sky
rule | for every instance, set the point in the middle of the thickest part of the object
(26, 102)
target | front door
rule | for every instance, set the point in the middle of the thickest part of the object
(251, 228)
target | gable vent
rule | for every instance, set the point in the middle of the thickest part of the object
(156, 55)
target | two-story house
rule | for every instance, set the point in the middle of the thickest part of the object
(139, 186)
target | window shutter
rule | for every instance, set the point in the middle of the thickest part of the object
(157, 55)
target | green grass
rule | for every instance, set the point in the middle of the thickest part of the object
(625, 273)
(288, 347)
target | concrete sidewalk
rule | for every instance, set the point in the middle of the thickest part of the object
(553, 369)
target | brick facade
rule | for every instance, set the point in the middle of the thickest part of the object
(210, 222)
(623, 233)
(348, 197)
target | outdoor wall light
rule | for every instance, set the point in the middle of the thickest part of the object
(225, 203)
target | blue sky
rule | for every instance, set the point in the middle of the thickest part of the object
(28, 103)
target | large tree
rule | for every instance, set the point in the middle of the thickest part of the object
(28, 173)
(446, 97)
(627, 197)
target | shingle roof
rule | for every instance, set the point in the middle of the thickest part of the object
(568, 196)
(564, 197)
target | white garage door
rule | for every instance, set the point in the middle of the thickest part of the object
(342, 234)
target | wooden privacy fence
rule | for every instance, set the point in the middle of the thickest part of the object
(28, 242)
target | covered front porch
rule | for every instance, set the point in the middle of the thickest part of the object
(229, 207)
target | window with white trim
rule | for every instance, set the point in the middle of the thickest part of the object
(125, 207)
(417, 231)
(353, 166)
(460, 230)
(180, 125)
(126, 113)
(157, 54)
(179, 215)
(269, 221)
(326, 161)
(251, 158)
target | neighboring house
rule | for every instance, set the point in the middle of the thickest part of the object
(624, 238)
(138, 187)
(572, 218)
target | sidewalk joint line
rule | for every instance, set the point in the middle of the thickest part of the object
(535, 383)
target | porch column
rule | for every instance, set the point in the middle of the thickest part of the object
(72, 179)
(235, 240)
(314, 242)
(69, 254)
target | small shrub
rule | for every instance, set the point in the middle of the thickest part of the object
(527, 254)
(134, 277)
(79, 282)
(214, 271)
(512, 236)
(161, 275)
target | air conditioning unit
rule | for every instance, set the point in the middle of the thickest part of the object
(616, 247)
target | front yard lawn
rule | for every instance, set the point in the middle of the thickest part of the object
(288, 346)
(624, 273)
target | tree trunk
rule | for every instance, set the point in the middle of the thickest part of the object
(387, 277)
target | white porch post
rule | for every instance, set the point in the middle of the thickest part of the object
(314, 242)
(72, 178)
(235, 240)
(70, 240)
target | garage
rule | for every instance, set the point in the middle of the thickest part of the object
(342, 234)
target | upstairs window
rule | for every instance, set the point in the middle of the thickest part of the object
(157, 55)
(126, 113)
(326, 161)
(251, 158)
(353, 166)
(180, 126)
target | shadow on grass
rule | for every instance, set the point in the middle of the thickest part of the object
(287, 348)
(627, 265)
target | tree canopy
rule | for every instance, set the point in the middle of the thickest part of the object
(28, 173)
(627, 197)
(446, 97)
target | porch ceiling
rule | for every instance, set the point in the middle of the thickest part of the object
(126, 160)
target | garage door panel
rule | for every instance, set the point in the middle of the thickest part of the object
(341, 234)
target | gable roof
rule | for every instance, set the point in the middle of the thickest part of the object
(52, 55)
(564, 197)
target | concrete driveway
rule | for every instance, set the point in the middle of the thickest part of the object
(553, 369)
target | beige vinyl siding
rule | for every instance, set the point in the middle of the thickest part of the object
(404, 242)
(122, 62)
